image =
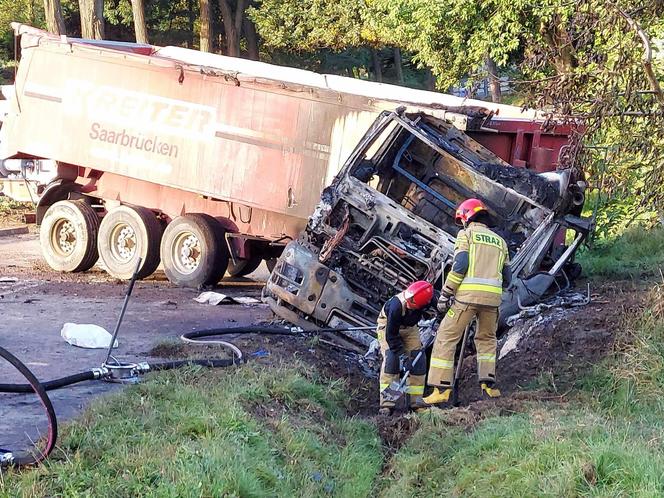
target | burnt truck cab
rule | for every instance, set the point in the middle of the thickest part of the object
(387, 220)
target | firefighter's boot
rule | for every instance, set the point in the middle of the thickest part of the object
(441, 395)
(489, 390)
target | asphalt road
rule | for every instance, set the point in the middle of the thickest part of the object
(36, 302)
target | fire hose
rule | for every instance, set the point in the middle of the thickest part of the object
(112, 372)
(9, 458)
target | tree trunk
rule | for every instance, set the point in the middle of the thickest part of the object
(206, 27)
(138, 10)
(190, 23)
(92, 19)
(559, 40)
(398, 65)
(431, 81)
(252, 39)
(31, 12)
(494, 80)
(232, 25)
(375, 60)
(55, 23)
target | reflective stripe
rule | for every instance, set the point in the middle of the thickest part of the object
(487, 357)
(383, 386)
(494, 282)
(471, 261)
(440, 363)
(480, 287)
(454, 278)
(415, 390)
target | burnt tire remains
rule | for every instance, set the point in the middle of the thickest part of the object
(193, 250)
(271, 263)
(243, 267)
(125, 234)
(68, 236)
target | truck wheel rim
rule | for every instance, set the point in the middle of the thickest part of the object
(63, 237)
(123, 242)
(186, 252)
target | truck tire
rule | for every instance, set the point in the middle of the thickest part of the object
(243, 267)
(125, 234)
(193, 250)
(68, 236)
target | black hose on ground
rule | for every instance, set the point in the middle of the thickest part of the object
(33, 385)
(191, 337)
(170, 365)
(36, 387)
(51, 384)
(194, 337)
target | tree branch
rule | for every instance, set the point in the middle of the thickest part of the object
(647, 55)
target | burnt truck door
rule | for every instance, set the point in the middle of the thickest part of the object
(363, 243)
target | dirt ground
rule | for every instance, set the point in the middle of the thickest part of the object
(35, 302)
(36, 305)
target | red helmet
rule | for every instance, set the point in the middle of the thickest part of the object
(467, 209)
(418, 294)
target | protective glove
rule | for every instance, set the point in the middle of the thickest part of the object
(444, 303)
(407, 363)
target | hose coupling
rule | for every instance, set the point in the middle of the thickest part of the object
(101, 373)
(6, 459)
(142, 368)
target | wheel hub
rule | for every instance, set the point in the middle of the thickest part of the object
(65, 236)
(123, 242)
(187, 252)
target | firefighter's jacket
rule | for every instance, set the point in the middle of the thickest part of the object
(395, 317)
(480, 268)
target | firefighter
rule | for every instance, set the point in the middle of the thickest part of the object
(399, 335)
(473, 289)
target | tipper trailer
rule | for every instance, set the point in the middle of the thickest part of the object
(206, 163)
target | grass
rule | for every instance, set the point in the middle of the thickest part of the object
(633, 254)
(545, 451)
(282, 431)
(608, 441)
(196, 434)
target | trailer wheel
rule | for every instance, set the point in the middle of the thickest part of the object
(243, 267)
(193, 250)
(68, 236)
(125, 234)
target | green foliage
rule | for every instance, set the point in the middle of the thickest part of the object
(24, 11)
(579, 59)
(310, 25)
(634, 254)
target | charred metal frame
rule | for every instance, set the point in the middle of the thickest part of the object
(331, 276)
